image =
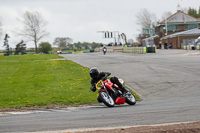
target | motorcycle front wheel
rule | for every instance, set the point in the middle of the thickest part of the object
(130, 98)
(106, 99)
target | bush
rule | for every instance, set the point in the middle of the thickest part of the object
(45, 47)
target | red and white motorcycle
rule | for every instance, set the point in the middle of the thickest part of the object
(110, 94)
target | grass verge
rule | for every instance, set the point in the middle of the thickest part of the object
(40, 80)
(34, 80)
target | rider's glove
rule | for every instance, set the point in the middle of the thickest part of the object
(106, 75)
(93, 89)
(104, 78)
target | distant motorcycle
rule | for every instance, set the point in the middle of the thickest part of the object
(104, 50)
(59, 52)
(110, 94)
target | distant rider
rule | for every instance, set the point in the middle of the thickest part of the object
(104, 50)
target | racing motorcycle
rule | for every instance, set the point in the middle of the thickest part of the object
(110, 94)
(104, 50)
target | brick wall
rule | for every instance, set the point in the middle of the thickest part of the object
(177, 41)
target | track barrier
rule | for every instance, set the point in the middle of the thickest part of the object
(139, 50)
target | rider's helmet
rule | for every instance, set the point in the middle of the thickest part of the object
(94, 73)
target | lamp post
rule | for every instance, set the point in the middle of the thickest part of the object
(166, 26)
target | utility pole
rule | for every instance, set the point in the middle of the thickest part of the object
(166, 26)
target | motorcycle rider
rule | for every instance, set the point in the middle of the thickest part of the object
(104, 50)
(96, 76)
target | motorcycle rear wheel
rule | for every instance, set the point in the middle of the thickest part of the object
(106, 99)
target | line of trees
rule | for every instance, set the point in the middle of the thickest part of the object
(20, 47)
(193, 12)
(87, 45)
(67, 43)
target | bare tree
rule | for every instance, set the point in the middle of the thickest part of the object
(165, 15)
(33, 27)
(146, 19)
(62, 42)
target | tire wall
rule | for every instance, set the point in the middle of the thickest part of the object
(139, 50)
(136, 50)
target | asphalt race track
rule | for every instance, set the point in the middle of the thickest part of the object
(168, 82)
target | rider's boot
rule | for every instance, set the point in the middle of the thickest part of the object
(124, 90)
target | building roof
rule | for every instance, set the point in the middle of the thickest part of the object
(152, 37)
(180, 17)
(195, 31)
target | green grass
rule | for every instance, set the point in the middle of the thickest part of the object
(30, 52)
(36, 80)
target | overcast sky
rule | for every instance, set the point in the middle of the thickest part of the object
(81, 19)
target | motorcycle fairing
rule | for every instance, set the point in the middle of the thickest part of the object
(120, 100)
(108, 84)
